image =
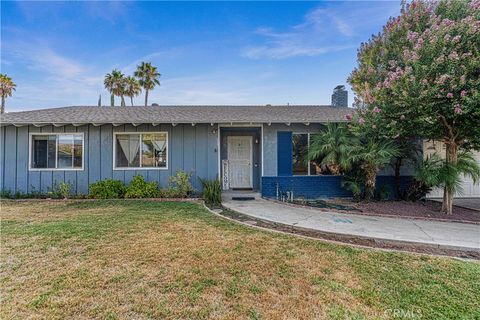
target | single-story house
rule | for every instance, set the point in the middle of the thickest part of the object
(247, 147)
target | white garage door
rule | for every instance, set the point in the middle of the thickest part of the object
(469, 189)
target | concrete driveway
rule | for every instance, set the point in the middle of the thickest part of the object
(449, 235)
(469, 203)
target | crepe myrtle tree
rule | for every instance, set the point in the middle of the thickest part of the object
(421, 77)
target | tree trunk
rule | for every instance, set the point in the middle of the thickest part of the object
(398, 165)
(2, 108)
(451, 158)
(370, 180)
(334, 168)
(146, 97)
(123, 101)
(112, 100)
(131, 100)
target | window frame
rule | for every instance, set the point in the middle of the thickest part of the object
(114, 149)
(308, 148)
(56, 134)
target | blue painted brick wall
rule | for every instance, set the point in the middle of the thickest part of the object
(314, 187)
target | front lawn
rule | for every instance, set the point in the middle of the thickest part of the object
(142, 260)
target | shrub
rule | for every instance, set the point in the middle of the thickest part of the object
(107, 189)
(425, 178)
(6, 194)
(354, 181)
(384, 192)
(138, 188)
(212, 192)
(180, 185)
(64, 189)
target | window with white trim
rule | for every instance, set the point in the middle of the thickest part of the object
(140, 150)
(62, 151)
(300, 165)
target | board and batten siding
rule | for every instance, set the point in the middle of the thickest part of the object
(190, 148)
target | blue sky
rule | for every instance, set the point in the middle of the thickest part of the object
(207, 52)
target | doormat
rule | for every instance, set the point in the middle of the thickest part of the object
(243, 198)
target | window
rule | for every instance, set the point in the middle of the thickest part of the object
(56, 151)
(300, 144)
(299, 154)
(140, 150)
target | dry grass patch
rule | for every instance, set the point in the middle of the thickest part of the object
(144, 260)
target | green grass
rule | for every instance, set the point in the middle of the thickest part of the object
(142, 259)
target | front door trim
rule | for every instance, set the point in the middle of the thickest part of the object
(218, 130)
(230, 141)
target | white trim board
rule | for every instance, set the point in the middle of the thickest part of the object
(140, 133)
(30, 138)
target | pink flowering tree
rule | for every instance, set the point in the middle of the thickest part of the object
(420, 77)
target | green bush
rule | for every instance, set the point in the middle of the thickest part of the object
(64, 189)
(106, 189)
(384, 193)
(180, 185)
(138, 188)
(6, 194)
(353, 182)
(212, 192)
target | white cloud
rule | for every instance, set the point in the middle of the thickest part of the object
(329, 28)
(53, 78)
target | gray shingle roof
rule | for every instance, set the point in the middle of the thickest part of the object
(178, 114)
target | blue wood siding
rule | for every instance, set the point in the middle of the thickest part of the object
(34, 179)
(2, 155)
(10, 158)
(284, 153)
(190, 148)
(22, 160)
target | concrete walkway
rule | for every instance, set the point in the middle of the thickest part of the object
(447, 235)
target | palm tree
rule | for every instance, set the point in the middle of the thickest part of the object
(115, 83)
(371, 155)
(148, 77)
(434, 172)
(330, 147)
(7, 86)
(450, 177)
(132, 88)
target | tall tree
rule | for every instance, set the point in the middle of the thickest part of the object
(115, 83)
(423, 73)
(7, 86)
(132, 88)
(148, 77)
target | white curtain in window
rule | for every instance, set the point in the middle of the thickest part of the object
(130, 146)
(159, 145)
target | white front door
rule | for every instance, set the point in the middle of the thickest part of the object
(239, 155)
